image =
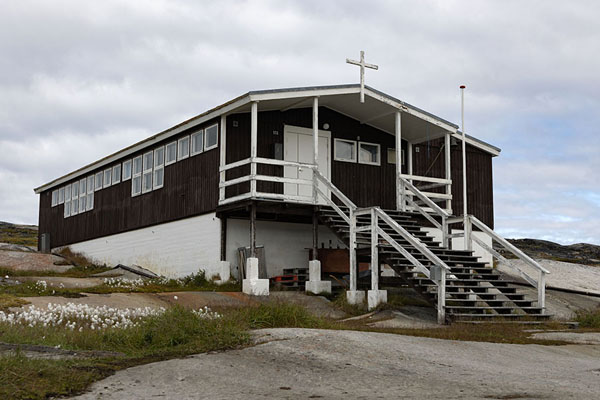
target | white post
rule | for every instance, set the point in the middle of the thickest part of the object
(468, 244)
(223, 155)
(375, 296)
(441, 300)
(400, 204)
(353, 296)
(253, 146)
(315, 147)
(542, 291)
(448, 165)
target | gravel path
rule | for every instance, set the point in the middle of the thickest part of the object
(303, 364)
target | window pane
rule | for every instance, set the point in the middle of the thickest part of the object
(82, 187)
(147, 182)
(159, 157)
(75, 190)
(171, 153)
(197, 142)
(99, 180)
(68, 193)
(82, 203)
(116, 174)
(126, 170)
(54, 198)
(183, 148)
(61, 195)
(212, 134)
(159, 178)
(136, 185)
(345, 150)
(90, 201)
(148, 161)
(137, 165)
(74, 206)
(369, 153)
(107, 177)
(90, 184)
(67, 211)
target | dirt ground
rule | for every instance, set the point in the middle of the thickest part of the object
(31, 261)
(302, 363)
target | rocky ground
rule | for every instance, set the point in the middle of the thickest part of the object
(579, 253)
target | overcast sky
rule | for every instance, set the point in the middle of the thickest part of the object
(81, 79)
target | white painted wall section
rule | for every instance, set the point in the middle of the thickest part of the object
(459, 243)
(286, 244)
(172, 249)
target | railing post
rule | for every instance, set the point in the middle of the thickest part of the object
(445, 239)
(441, 293)
(253, 146)
(448, 170)
(399, 186)
(374, 251)
(542, 291)
(468, 229)
(223, 156)
(315, 147)
(352, 250)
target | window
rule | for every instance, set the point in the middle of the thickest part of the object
(116, 174)
(61, 195)
(171, 154)
(99, 180)
(107, 176)
(90, 193)
(147, 174)
(368, 153)
(54, 198)
(136, 180)
(82, 195)
(183, 148)
(197, 142)
(345, 150)
(159, 168)
(211, 137)
(126, 170)
(67, 211)
(392, 156)
(75, 198)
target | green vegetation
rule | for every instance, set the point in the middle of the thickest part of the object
(21, 235)
(7, 301)
(589, 318)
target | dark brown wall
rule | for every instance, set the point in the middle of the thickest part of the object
(190, 188)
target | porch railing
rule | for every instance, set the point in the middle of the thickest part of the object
(424, 186)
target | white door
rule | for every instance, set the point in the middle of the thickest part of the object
(298, 147)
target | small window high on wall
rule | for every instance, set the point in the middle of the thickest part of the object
(211, 137)
(67, 210)
(147, 173)
(158, 179)
(171, 153)
(126, 170)
(345, 150)
(369, 153)
(136, 177)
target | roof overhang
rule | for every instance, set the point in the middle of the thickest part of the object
(378, 110)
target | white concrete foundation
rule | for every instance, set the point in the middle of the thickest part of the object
(355, 296)
(376, 297)
(252, 285)
(315, 284)
(224, 271)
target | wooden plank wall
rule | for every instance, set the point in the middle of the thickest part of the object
(190, 188)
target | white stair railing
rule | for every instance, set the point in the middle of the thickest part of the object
(539, 283)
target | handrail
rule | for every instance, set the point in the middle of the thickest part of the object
(438, 210)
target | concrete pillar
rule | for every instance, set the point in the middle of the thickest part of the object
(315, 284)
(375, 298)
(355, 296)
(252, 285)
(224, 272)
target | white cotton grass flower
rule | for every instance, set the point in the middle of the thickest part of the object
(77, 317)
(175, 297)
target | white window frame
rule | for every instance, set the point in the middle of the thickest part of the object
(392, 157)
(90, 192)
(147, 170)
(206, 147)
(136, 175)
(98, 180)
(67, 210)
(179, 156)
(124, 169)
(74, 198)
(61, 195)
(378, 153)
(116, 176)
(107, 172)
(174, 160)
(54, 201)
(195, 136)
(159, 167)
(82, 196)
(336, 158)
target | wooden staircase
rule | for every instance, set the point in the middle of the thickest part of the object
(474, 290)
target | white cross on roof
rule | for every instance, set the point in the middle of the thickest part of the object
(362, 64)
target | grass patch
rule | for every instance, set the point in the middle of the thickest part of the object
(7, 301)
(20, 235)
(589, 318)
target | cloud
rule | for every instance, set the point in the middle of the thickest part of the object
(81, 79)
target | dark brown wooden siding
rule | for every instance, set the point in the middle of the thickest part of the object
(190, 188)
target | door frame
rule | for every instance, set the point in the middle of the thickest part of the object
(287, 129)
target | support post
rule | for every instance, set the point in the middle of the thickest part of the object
(468, 244)
(315, 223)
(441, 300)
(448, 169)
(400, 203)
(409, 159)
(353, 296)
(375, 296)
(253, 229)
(468, 227)
(253, 146)
(315, 147)
(223, 156)
(542, 291)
